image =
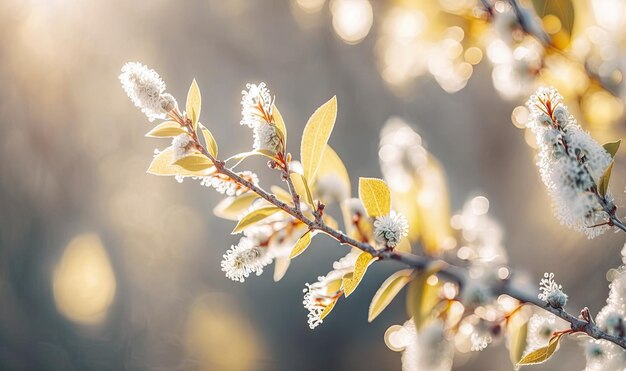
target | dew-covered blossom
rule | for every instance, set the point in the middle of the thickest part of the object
(389, 229)
(570, 163)
(541, 326)
(256, 113)
(146, 89)
(427, 349)
(603, 355)
(243, 259)
(182, 145)
(224, 185)
(328, 289)
(551, 292)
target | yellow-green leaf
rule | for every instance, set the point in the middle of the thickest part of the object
(603, 184)
(375, 196)
(422, 297)
(255, 216)
(328, 308)
(301, 245)
(388, 291)
(360, 267)
(280, 125)
(211, 145)
(542, 354)
(302, 188)
(194, 103)
(315, 136)
(331, 165)
(516, 332)
(195, 162)
(162, 164)
(612, 147)
(166, 129)
(281, 265)
(232, 207)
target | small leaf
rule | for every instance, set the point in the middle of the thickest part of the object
(194, 103)
(360, 267)
(301, 245)
(166, 129)
(255, 216)
(302, 188)
(612, 147)
(232, 207)
(388, 291)
(315, 136)
(281, 265)
(328, 308)
(603, 184)
(162, 164)
(211, 145)
(280, 125)
(195, 162)
(542, 354)
(375, 196)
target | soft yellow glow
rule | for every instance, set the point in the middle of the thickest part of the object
(519, 117)
(352, 19)
(473, 55)
(551, 24)
(83, 282)
(310, 6)
(396, 338)
(610, 14)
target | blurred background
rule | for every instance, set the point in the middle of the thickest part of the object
(103, 267)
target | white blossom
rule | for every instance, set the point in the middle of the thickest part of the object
(427, 349)
(266, 137)
(243, 259)
(570, 163)
(227, 186)
(256, 105)
(389, 229)
(551, 292)
(540, 330)
(181, 146)
(602, 355)
(146, 89)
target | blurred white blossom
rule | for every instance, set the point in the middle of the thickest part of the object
(146, 89)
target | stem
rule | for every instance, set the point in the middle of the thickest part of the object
(421, 263)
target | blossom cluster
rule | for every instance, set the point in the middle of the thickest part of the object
(570, 163)
(146, 89)
(257, 108)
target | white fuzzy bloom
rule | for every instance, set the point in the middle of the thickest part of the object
(570, 163)
(181, 146)
(602, 355)
(266, 137)
(540, 330)
(256, 105)
(389, 229)
(146, 89)
(551, 292)
(427, 349)
(243, 259)
(227, 186)
(327, 290)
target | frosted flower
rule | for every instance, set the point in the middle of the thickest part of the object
(224, 185)
(389, 229)
(266, 137)
(243, 259)
(551, 292)
(256, 105)
(570, 163)
(182, 145)
(427, 349)
(146, 89)
(327, 290)
(602, 355)
(540, 330)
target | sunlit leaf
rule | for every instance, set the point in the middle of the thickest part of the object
(603, 184)
(195, 162)
(375, 196)
(211, 145)
(162, 164)
(302, 188)
(331, 165)
(232, 207)
(166, 129)
(542, 354)
(315, 136)
(516, 332)
(612, 147)
(388, 291)
(328, 308)
(280, 124)
(254, 217)
(281, 265)
(422, 298)
(434, 207)
(301, 245)
(194, 103)
(360, 267)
